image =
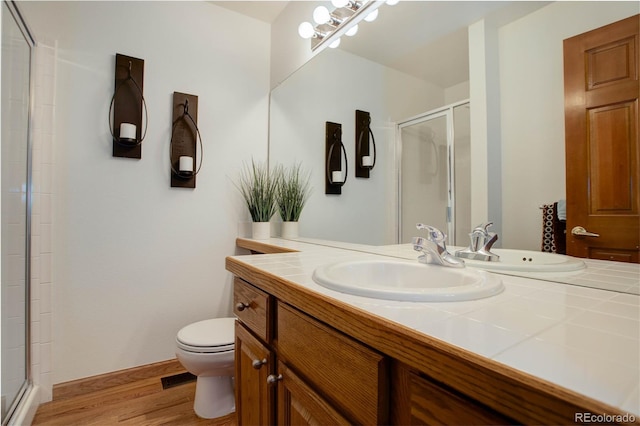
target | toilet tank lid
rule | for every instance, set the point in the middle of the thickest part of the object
(212, 332)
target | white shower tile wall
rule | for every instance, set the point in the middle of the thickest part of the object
(41, 215)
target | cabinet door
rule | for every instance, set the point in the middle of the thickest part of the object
(420, 401)
(255, 399)
(298, 404)
(351, 376)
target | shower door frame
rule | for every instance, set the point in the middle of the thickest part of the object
(444, 111)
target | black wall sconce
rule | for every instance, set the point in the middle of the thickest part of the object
(335, 176)
(185, 137)
(127, 105)
(365, 161)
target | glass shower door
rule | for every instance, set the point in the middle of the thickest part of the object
(434, 176)
(424, 176)
(15, 193)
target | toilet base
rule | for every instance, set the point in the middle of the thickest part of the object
(214, 397)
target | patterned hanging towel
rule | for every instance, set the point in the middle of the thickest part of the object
(548, 240)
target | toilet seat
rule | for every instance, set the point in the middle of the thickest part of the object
(208, 336)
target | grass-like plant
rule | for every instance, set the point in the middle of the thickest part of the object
(258, 187)
(293, 192)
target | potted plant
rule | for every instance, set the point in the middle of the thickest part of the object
(258, 187)
(293, 191)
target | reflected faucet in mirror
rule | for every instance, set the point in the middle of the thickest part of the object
(434, 249)
(481, 242)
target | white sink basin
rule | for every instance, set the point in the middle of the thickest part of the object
(528, 261)
(409, 281)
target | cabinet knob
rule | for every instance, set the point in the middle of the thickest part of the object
(273, 379)
(241, 306)
(257, 363)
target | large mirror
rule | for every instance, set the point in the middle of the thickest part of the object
(419, 57)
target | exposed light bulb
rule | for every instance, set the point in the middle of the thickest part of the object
(335, 44)
(372, 16)
(306, 30)
(321, 15)
(352, 31)
(392, 2)
(339, 3)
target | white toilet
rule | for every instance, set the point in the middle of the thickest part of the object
(206, 350)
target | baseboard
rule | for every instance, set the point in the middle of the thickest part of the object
(115, 378)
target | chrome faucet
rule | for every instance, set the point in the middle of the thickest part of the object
(481, 242)
(434, 249)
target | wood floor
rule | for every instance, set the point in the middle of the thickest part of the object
(142, 402)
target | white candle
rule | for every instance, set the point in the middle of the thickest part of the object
(185, 164)
(367, 161)
(127, 131)
(336, 176)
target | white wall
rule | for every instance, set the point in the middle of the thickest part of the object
(135, 260)
(298, 134)
(532, 105)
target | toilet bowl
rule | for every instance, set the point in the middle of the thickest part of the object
(206, 350)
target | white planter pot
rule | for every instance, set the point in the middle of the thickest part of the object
(289, 230)
(261, 230)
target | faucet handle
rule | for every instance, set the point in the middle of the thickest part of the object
(435, 235)
(483, 227)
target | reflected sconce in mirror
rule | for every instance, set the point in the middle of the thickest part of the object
(126, 108)
(336, 177)
(185, 138)
(365, 155)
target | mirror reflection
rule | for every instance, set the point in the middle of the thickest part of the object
(505, 58)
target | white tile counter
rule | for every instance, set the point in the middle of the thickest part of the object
(586, 340)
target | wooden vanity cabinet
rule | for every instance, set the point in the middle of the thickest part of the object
(331, 363)
(321, 375)
(293, 369)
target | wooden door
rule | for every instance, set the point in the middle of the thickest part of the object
(255, 398)
(602, 146)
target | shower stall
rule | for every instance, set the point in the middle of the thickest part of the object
(434, 173)
(17, 49)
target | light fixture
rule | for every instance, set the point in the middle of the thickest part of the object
(185, 136)
(335, 177)
(321, 15)
(340, 3)
(392, 2)
(125, 110)
(365, 158)
(330, 25)
(335, 43)
(306, 30)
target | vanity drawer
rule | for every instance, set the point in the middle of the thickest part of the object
(351, 376)
(252, 306)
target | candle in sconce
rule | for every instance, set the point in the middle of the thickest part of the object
(336, 177)
(185, 164)
(367, 161)
(127, 131)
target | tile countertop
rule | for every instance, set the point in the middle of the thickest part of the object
(584, 339)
